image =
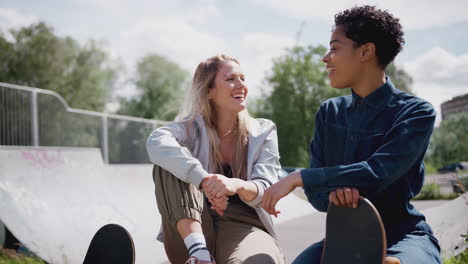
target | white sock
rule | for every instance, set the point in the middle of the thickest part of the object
(196, 245)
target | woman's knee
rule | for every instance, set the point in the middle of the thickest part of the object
(251, 258)
(240, 243)
(311, 255)
(415, 248)
(177, 199)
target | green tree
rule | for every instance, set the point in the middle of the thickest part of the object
(401, 79)
(83, 75)
(161, 86)
(299, 84)
(449, 142)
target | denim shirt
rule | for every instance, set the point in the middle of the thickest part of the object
(375, 144)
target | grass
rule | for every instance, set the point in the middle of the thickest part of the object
(432, 192)
(9, 256)
(460, 259)
(430, 168)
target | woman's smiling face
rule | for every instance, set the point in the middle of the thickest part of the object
(229, 92)
(343, 60)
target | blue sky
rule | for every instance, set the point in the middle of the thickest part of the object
(254, 31)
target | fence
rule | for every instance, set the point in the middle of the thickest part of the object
(37, 117)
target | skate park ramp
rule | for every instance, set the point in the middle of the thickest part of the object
(55, 199)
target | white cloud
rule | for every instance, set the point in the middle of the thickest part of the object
(415, 14)
(172, 36)
(437, 94)
(203, 11)
(257, 53)
(194, 11)
(116, 6)
(440, 66)
(12, 19)
(178, 37)
(305, 9)
(167, 28)
(439, 75)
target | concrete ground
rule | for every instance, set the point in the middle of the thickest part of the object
(297, 234)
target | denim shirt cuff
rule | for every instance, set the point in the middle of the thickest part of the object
(313, 177)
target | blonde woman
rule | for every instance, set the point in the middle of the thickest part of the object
(211, 170)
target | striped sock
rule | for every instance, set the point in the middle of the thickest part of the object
(196, 245)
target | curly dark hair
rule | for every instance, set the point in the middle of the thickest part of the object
(364, 24)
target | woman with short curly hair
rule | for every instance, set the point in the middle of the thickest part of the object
(370, 143)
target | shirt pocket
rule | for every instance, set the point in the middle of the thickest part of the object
(334, 144)
(368, 143)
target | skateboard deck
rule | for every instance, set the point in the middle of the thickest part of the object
(354, 235)
(111, 244)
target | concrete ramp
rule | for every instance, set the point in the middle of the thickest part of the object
(449, 222)
(55, 199)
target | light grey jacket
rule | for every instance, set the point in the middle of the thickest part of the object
(166, 148)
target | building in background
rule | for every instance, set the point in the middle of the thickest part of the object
(455, 105)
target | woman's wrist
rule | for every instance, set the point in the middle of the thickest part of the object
(296, 179)
(239, 185)
(246, 190)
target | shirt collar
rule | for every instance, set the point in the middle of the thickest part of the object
(378, 97)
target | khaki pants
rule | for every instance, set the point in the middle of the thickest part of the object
(234, 238)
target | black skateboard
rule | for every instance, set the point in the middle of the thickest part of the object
(111, 244)
(354, 235)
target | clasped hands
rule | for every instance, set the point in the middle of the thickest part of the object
(217, 189)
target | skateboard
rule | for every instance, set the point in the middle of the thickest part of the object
(354, 235)
(111, 244)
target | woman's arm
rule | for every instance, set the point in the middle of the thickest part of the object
(280, 189)
(164, 149)
(219, 185)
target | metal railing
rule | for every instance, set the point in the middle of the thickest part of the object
(37, 117)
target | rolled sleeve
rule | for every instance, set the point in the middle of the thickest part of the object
(257, 201)
(265, 170)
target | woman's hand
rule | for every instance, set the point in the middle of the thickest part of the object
(219, 204)
(345, 197)
(217, 186)
(278, 190)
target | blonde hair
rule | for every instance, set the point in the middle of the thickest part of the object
(197, 103)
